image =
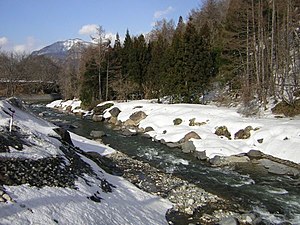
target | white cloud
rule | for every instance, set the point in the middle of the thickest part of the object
(162, 13)
(3, 41)
(20, 48)
(30, 45)
(88, 29)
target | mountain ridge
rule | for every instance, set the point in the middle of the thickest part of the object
(61, 49)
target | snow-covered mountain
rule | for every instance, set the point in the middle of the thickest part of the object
(61, 49)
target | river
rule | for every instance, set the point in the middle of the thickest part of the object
(275, 198)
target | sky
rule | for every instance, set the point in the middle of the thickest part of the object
(27, 25)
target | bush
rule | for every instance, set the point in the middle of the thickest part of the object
(287, 109)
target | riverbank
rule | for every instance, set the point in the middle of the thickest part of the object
(45, 180)
(209, 132)
(279, 198)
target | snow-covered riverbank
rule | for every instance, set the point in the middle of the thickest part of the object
(82, 198)
(279, 137)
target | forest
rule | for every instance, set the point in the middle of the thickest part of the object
(249, 49)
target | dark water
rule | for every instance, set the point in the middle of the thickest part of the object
(275, 198)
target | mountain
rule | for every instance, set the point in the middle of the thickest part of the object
(60, 50)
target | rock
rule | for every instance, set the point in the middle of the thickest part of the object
(138, 117)
(64, 134)
(188, 147)
(100, 109)
(7, 198)
(97, 118)
(97, 133)
(278, 168)
(69, 108)
(223, 131)
(130, 123)
(229, 221)
(217, 160)
(255, 154)
(191, 201)
(236, 159)
(147, 129)
(201, 155)
(243, 133)
(194, 123)
(113, 120)
(172, 145)
(260, 141)
(189, 211)
(189, 136)
(177, 121)
(128, 133)
(115, 111)
(95, 198)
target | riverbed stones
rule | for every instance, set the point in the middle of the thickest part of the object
(97, 133)
(229, 160)
(255, 154)
(201, 155)
(97, 118)
(188, 147)
(278, 168)
(187, 198)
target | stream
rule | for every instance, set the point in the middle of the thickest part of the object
(275, 198)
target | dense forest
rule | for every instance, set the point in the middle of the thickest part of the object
(249, 48)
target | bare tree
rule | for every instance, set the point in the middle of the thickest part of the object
(99, 38)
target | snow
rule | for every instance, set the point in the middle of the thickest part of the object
(280, 136)
(126, 204)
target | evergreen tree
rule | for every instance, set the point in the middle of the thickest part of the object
(89, 83)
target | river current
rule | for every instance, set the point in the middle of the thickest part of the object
(275, 198)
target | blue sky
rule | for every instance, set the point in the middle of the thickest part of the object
(27, 25)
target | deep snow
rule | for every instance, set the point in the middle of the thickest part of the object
(51, 205)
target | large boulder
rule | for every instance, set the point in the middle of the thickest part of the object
(223, 131)
(278, 168)
(114, 112)
(138, 117)
(255, 154)
(189, 136)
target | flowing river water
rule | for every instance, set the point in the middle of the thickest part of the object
(275, 198)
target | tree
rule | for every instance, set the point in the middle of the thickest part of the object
(100, 40)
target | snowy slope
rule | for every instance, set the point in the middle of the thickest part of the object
(60, 49)
(125, 204)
